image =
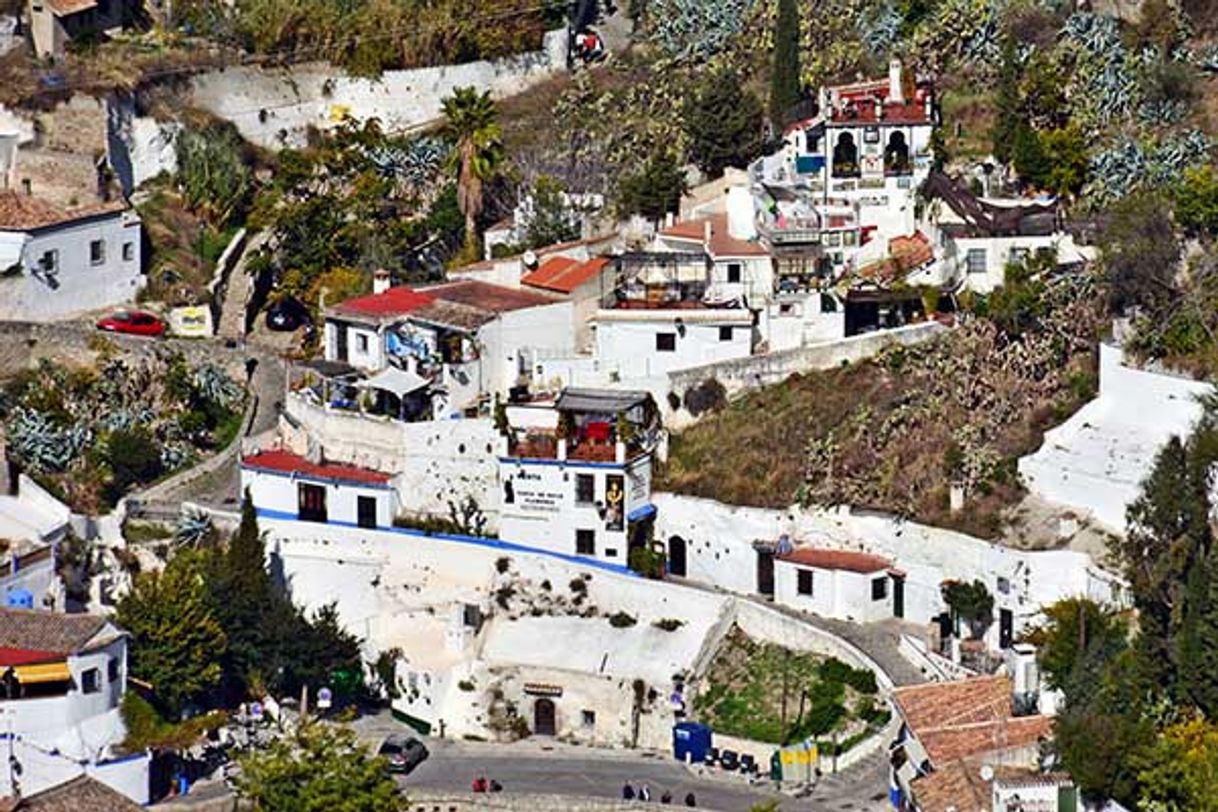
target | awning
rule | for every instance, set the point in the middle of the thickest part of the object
(398, 381)
(639, 513)
(598, 401)
(42, 672)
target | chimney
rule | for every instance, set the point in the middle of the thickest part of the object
(28, 186)
(381, 280)
(896, 94)
(706, 232)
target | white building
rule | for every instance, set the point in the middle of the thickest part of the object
(581, 282)
(286, 485)
(64, 680)
(740, 267)
(571, 482)
(55, 264)
(54, 23)
(841, 584)
(459, 342)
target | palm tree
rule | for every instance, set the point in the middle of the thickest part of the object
(471, 123)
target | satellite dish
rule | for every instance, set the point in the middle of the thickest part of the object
(529, 259)
(987, 772)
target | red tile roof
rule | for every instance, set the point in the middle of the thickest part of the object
(837, 560)
(956, 720)
(486, 296)
(62, 8)
(722, 243)
(280, 461)
(565, 275)
(905, 253)
(397, 301)
(25, 656)
(20, 212)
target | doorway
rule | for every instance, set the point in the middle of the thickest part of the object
(340, 342)
(765, 572)
(544, 718)
(312, 505)
(676, 556)
(1006, 628)
(366, 511)
(898, 596)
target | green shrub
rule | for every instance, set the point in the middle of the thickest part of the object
(621, 620)
(669, 624)
(133, 457)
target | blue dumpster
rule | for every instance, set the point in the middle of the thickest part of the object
(691, 741)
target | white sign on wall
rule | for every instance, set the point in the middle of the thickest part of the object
(528, 492)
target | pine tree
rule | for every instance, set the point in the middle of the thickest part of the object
(785, 74)
(723, 122)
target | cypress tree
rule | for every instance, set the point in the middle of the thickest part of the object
(1007, 104)
(724, 124)
(784, 77)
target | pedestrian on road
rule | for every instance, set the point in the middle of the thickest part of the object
(666, 798)
(627, 792)
(644, 793)
(496, 786)
(689, 800)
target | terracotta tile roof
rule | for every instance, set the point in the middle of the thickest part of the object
(51, 632)
(20, 212)
(25, 656)
(837, 560)
(397, 301)
(563, 274)
(905, 254)
(722, 244)
(63, 8)
(959, 786)
(82, 794)
(956, 720)
(963, 741)
(486, 296)
(277, 460)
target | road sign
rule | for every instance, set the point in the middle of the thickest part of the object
(256, 711)
(324, 698)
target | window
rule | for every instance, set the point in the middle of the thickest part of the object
(361, 342)
(588, 718)
(49, 261)
(1019, 256)
(90, 681)
(585, 489)
(610, 552)
(1004, 586)
(879, 588)
(725, 333)
(827, 303)
(97, 252)
(666, 342)
(733, 273)
(787, 309)
(128, 252)
(976, 260)
(803, 584)
(585, 542)
(112, 670)
(311, 503)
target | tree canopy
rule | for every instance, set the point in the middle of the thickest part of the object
(723, 121)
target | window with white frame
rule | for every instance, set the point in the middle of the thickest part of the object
(361, 342)
(975, 260)
(803, 583)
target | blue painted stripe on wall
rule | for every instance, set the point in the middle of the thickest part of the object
(478, 541)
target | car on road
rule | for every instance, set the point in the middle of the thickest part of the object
(403, 753)
(132, 322)
(287, 314)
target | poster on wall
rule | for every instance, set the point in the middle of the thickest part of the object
(615, 502)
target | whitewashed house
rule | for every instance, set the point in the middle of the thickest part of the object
(56, 264)
(447, 349)
(55, 23)
(289, 486)
(64, 677)
(580, 282)
(858, 587)
(576, 478)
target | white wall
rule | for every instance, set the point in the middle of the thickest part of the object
(279, 492)
(138, 148)
(719, 551)
(840, 594)
(371, 357)
(626, 344)
(435, 461)
(1095, 462)
(80, 286)
(315, 95)
(549, 328)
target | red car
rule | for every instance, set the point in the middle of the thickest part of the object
(133, 322)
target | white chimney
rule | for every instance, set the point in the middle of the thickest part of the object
(381, 281)
(706, 232)
(529, 260)
(895, 94)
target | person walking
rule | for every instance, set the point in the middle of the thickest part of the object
(689, 800)
(627, 792)
(644, 793)
(666, 797)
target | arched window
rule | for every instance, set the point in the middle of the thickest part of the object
(845, 157)
(896, 155)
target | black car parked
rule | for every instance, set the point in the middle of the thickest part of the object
(287, 314)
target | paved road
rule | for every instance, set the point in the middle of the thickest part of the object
(539, 766)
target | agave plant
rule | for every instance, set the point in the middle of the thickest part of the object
(214, 386)
(37, 441)
(193, 527)
(695, 28)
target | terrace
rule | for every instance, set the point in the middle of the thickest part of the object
(588, 425)
(658, 281)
